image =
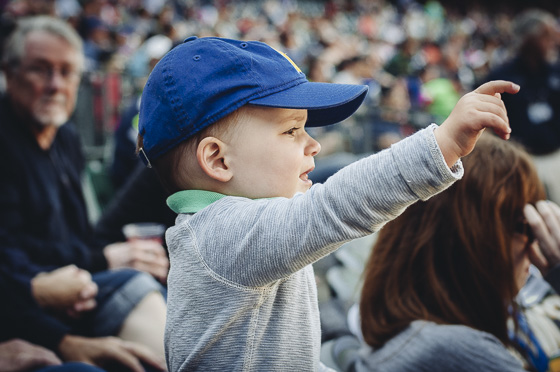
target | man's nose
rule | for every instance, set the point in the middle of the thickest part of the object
(56, 80)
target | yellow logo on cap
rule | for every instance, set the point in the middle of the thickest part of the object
(289, 59)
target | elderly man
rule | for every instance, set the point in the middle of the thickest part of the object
(45, 236)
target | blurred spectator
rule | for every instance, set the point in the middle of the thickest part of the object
(31, 7)
(353, 70)
(318, 70)
(439, 92)
(43, 220)
(67, 8)
(535, 112)
(407, 59)
(140, 66)
(97, 44)
(147, 55)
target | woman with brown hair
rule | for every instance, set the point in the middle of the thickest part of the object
(441, 283)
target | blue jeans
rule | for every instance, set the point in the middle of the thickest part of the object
(119, 293)
(71, 367)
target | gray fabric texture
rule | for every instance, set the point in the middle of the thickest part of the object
(241, 288)
(429, 347)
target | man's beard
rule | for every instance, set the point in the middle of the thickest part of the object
(51, 110)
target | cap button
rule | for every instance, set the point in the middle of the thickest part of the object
(190, 38)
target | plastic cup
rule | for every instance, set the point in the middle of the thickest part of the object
(144, 231)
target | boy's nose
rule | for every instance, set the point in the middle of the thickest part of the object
(313, 147)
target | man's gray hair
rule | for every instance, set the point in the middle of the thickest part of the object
(15, 44)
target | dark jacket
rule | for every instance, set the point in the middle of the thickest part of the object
(43, 219)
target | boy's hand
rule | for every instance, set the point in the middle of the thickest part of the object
(475, 111)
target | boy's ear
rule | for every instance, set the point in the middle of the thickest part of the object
(210, 155)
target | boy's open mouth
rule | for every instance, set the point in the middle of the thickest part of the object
(305, 175)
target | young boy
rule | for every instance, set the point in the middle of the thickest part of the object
(222, 122)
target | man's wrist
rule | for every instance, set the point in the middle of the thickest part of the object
(36, 290)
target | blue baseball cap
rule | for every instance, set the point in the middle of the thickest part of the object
(205, 79)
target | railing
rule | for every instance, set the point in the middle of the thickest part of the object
(101, 99)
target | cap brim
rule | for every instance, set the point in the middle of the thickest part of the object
(326, 103)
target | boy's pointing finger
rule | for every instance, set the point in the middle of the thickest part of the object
(497, 87)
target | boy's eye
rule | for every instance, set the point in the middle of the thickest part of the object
(291, 131)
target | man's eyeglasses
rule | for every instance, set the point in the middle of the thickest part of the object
(45, 73)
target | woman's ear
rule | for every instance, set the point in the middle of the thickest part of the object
(210, 154)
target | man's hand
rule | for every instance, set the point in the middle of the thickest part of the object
(145, 255)
(106, 351)
(68, 289)
(475, 111)
(20, 356)
(545, 222)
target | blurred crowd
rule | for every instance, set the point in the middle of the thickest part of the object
(418, 59)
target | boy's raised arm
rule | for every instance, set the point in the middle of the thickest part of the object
(475, 111)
